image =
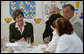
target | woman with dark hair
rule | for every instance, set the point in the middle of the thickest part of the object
(20, 30)
(64, 38)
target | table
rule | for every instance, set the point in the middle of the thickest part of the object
(8, 49)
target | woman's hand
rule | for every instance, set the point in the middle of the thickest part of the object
(52, 27)
(21, 40)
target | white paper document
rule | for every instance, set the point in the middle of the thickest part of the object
(12, 44)
(21, 47)
(36, 50)
(40, 46)
(18, 44)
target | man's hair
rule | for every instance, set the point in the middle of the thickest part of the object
(54, 10)
(16, 12)
(71, 6)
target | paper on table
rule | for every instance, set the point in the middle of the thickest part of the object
(36, 50)
(21, 51)
(40, 46)
(33, 50)
(12, 44)
(18, 44)
(23, 44)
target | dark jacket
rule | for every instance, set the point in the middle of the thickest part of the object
(15, 35)
(48, 31)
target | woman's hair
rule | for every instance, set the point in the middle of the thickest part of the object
(63, 26)
(53, 18)
(17, 12)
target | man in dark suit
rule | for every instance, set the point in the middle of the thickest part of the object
(20, 30)
(47, 35)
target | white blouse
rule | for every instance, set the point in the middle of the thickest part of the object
(16, 26)
(66, 44)
(53, 43)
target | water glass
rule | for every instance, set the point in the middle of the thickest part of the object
(29, 40)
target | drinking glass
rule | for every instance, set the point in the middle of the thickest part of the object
(29, 40)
